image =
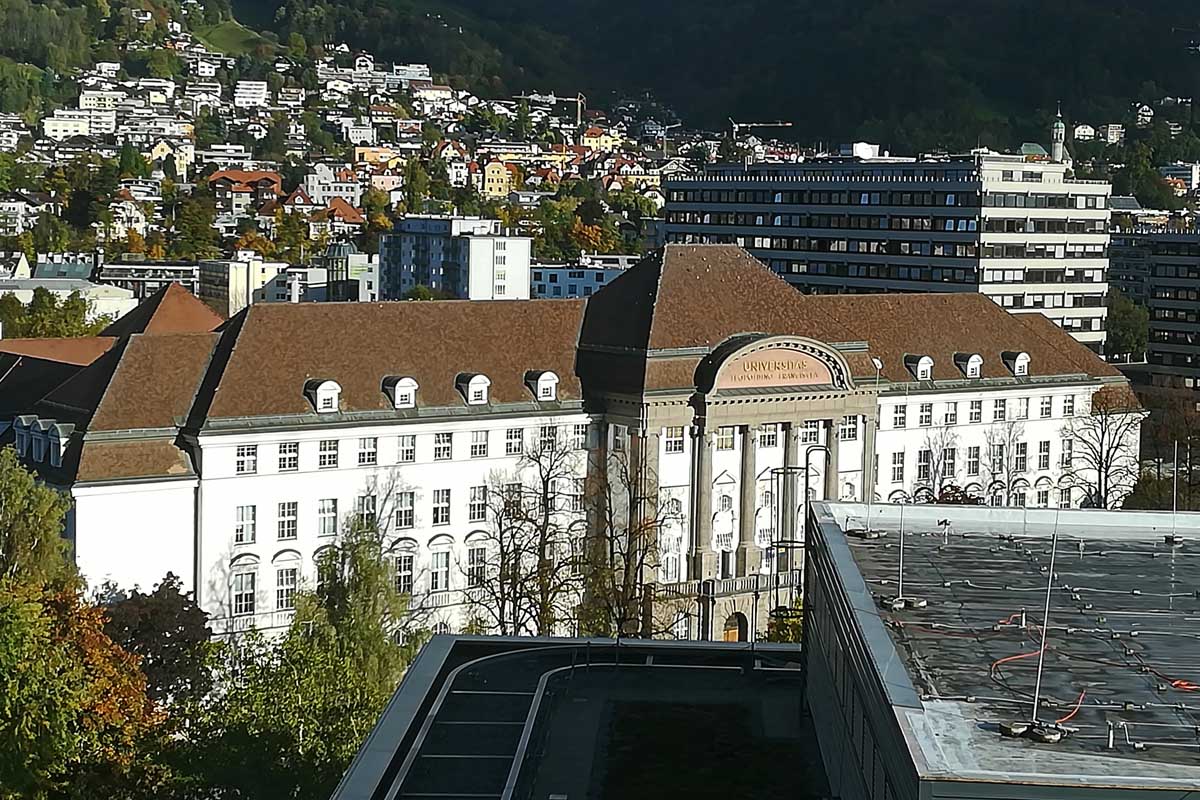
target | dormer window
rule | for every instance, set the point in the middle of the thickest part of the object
(971, 364)
(1018, 363)
(21, 427)
(402, 391)
(473, 388)
(39, 447)
(921, 367)
(543, 384)
(325, 395)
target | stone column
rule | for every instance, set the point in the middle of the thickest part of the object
(790, 491)
(703, 557)
(748, 557)
(869, 461)
(832, 441)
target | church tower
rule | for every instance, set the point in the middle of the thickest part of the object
(1058, 138)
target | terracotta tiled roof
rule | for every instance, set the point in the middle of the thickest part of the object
(172, 309)
(359, 344)
(81, 351)
(340, 209)
(155, 382)
(941, 325)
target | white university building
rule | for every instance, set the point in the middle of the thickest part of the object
(232, 457)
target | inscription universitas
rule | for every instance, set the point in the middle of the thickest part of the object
(774, 367)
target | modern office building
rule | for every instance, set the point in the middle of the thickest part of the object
(1160, 269)
(229, 285)
(729, 396)
(146, 277)
(1015, 228)
(467, 257)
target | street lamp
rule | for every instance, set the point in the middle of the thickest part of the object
(869, 478)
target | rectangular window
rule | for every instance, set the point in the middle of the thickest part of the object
(402, 573)
(810, 432)
(999, 410)
(243, 593)
(579, 435)
(949, 454)
(1043, 498)
(976, 411)
(1064, 460)
(477, 508)
(443, 446)
(1021, 460)
(368, 451)
(327, 519)
(479, 444)
(972, 460)
(327, 457)
(287, 522)
(244, 531)
(547, 438)
(405, 509)
(618, 438)
(512, 498)
(1022, 410)
(848, 429)
(1043, 455)
(997, 455)
(289, 456)
(898, 467)
(476, 564)
(406, 452)
(1064, 498)
(441, 506)
(951, 416)
(768, 435)
(285, 588)
(364, 510)
(924, 461)
(439, 573)
(1069, 406)
(247, 459)
(514, 442)
(1047, 407)
(725, 437)
(926, 418)
(673, 440)
(576, 502)
(899, 416)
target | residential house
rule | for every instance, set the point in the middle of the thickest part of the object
(237, 190)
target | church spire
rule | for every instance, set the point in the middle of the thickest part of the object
(1058, 137)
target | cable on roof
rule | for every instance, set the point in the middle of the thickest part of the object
(1074, 711)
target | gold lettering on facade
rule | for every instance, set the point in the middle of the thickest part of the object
(774, 367)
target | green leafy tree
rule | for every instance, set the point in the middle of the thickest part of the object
(1128, 326)
(195, 237)
(416, 185)
(47, 317)
(296, 710)
(32, 548)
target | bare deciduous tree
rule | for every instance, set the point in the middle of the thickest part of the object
(522, 568)
(1104, 452)
(1006, 458)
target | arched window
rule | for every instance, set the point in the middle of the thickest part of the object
(243, 586)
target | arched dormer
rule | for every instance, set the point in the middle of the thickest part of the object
(324, 394)
(543, 384)
(920, 366)
(474, 388)
(22, 433)
(58, 436)
(401, 390)
(1017, 363)
(970, 364)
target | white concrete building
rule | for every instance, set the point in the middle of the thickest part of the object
(228, 286)
(246, 452)
(468, 257)
(251, 94)
(578, 280)
(102, 300)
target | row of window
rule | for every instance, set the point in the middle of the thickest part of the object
(820, 197)
(366, 453)
(1004, 461)
(890, 272)
(1003, 410)
(874, 222)
(767, 436)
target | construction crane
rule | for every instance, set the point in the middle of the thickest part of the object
(736, 126)
(552, 99)
(662, 137)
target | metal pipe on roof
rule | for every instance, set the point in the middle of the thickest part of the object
(1037, 687)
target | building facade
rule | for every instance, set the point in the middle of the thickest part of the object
(581, 279)
(466, 257)
(1017, 230)
(698, 381)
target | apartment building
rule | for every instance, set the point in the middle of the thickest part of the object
(468, 257)
(581, 279)
(233, 458)
(1018, 230)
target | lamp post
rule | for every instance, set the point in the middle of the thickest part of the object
(869, 478)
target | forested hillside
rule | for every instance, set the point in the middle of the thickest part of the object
(911, 73)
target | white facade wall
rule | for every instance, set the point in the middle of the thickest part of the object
(498, 267)
(250, 94)
(134, 534)
(223, 491)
